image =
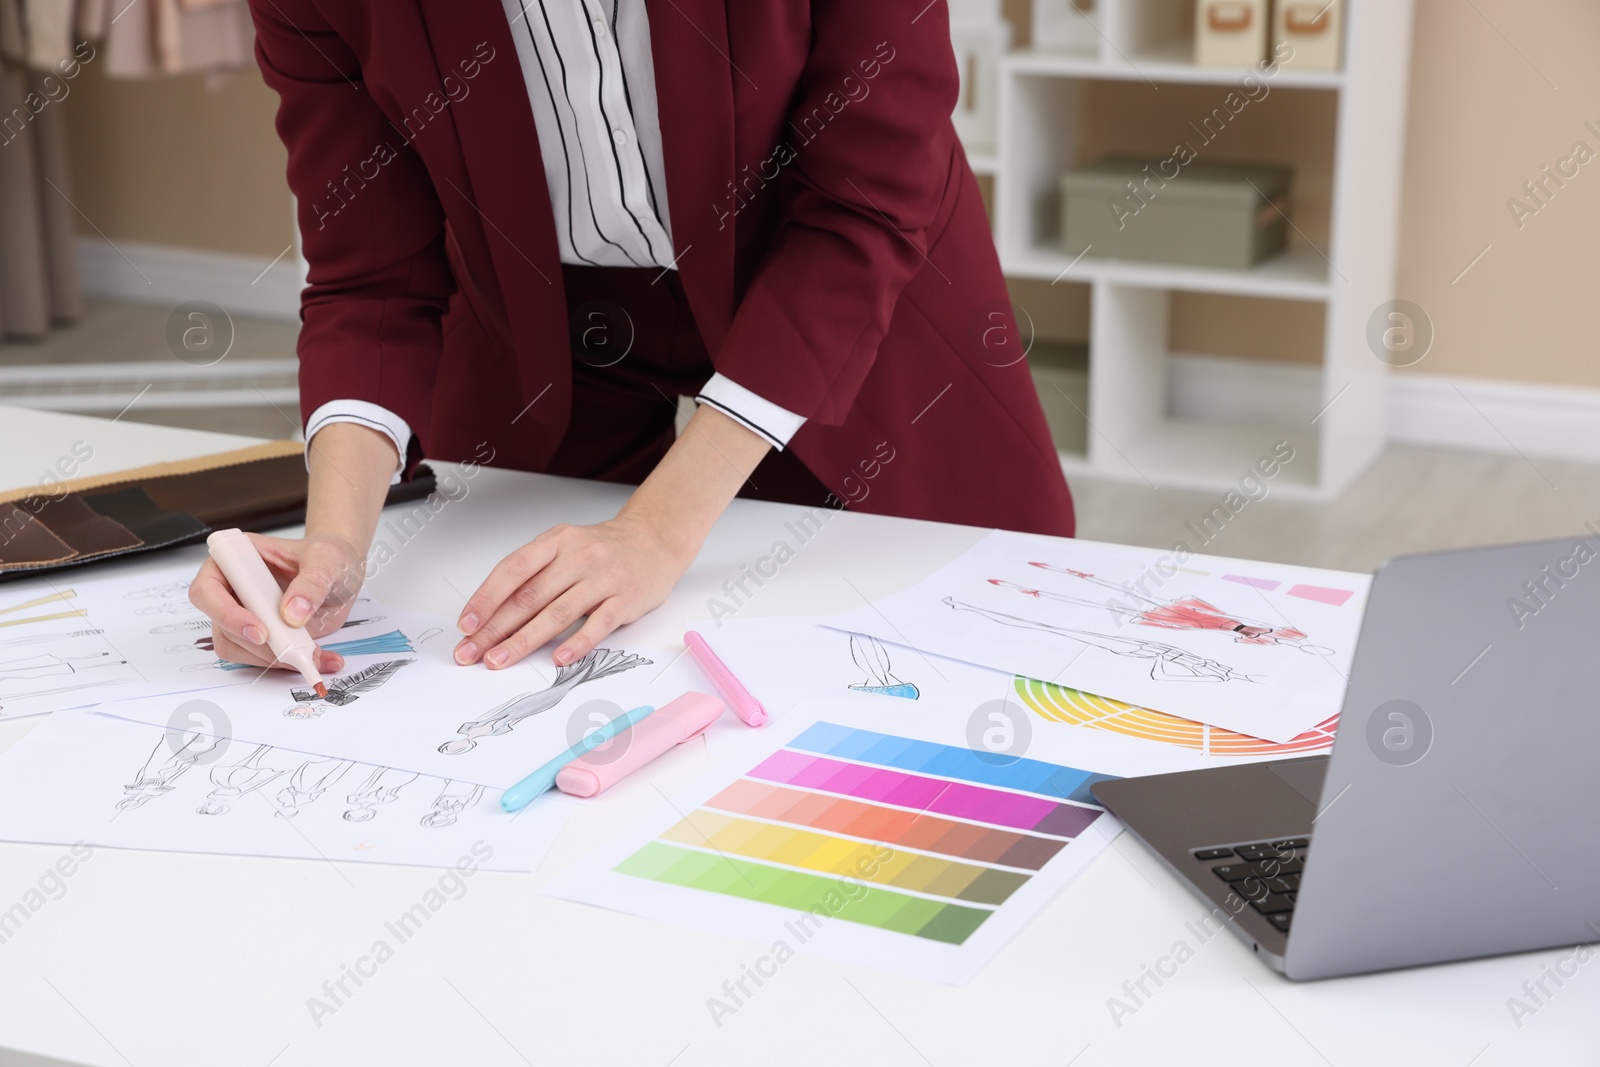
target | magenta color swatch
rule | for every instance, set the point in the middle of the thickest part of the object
(1254, 583)
(962, 801)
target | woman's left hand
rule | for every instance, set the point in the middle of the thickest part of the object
(617, 570)
(614, 572)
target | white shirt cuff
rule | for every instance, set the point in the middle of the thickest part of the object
(772, 422)
(362, 413)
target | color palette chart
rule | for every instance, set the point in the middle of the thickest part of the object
(904, 836)
(1059, 703)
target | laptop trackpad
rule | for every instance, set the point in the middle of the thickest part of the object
(1303, 776)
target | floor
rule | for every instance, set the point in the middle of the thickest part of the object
(137, 333)
(1411, 500)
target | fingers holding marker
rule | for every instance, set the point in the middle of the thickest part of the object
(317, 573)
(240, 635)
(230, 620)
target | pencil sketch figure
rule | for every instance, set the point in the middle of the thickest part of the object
(49, 665)
(600, 663)
(1181, 613)
(382, 786)
(873, 659)
(187, 626)
(165, 766)
(342, 691)
(193, 625)
(452, 800)
(1168, 664)
(168, 607)
(112, 680)
(49, 639)
(231, 781)
(158, 592)
(308, 782)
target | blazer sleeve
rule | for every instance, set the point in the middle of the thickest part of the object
(371, 226)
(862, 194)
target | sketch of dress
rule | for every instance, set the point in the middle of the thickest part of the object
(47, 639)
(233, 780)
(167, 607)
(158, 592)
(600, 663)
(205, 624)
(873, 659)
(342, 691)
(1168, 663)
(155, 778)
(382, 786)
(452, 800)
(48, 665)
(1180, 613)
(309, 782)
(181, 627)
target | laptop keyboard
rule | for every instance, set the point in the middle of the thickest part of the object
(1265, 873)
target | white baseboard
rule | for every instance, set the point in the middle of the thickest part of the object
(1484, 415)
(1477, 414)
(1474, 414)
(115, 386)
(141, 273)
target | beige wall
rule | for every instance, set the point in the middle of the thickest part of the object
(1483, 120)
(164, 161)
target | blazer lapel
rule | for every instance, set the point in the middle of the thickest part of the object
(503, 191)
(694, 93)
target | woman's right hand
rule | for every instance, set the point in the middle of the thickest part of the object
(350, 468)
(322, 574)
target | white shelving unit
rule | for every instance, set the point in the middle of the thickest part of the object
(1038, 115)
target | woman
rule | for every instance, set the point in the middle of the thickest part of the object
(532, 226)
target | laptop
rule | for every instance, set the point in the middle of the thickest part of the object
(1458, 813)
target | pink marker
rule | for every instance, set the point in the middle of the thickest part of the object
(671, 724)
(747, 707)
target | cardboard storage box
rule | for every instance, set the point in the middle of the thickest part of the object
(1312, 29)
(1230, 33)
(1207, 215)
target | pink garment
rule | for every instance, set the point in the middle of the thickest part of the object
(1192, 613)
(158, 37)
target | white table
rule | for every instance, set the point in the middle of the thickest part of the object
(164, 959)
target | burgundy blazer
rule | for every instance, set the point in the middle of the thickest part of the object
(832, 242)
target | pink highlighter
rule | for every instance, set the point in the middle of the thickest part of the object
(672, 724)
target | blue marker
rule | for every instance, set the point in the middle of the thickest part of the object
(542, 780)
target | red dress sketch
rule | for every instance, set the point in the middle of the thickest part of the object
(1167, 663)
(1181, 613)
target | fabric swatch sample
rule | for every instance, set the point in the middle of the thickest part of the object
(155, 526)
(84, 529)
(26, 542)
